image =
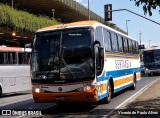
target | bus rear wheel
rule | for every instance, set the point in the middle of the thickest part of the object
(109, 90)
(133, 87)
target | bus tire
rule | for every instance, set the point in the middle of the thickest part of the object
(109, 91)
(133, 87)
(0, 91)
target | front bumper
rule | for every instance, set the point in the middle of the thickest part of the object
(65, 97)
(152, 71)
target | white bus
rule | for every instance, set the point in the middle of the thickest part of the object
(14, 69)
(90, 62)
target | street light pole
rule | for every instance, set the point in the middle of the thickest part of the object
(88, 11)
(127, 25)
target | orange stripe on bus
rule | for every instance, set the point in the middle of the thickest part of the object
(81, 23)
(138, 76)
(122, 81)
(125, 80)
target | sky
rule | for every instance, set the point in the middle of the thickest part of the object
(138, 28)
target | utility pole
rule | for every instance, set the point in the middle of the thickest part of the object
(88, 11)
(127, 25)
(140, 38)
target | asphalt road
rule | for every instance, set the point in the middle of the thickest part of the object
(24, 101)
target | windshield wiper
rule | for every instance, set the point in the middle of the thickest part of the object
(70, 71)
(68, 68)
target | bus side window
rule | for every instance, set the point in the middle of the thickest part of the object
(28, 58)
(107, 40)
(5, 58)
(137, 50)
(1, 58)
(130, 46)
(99, 36)
(12, 58)
(21, 58)
(135, 47)
(114, 42)
(120, 42)
(125, 41)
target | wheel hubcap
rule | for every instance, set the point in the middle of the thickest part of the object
(109, 92)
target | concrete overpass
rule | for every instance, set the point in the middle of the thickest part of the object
(65, 10)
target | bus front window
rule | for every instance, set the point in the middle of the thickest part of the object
(67, 52)
(152, 58)
(77, 54)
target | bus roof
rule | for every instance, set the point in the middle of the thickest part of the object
(74, 24)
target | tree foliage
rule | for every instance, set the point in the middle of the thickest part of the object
(23, 21)
(148, 5)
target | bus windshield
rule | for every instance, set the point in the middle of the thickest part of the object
(152, 57)
(64, 53)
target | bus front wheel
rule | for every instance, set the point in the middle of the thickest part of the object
(109, 90)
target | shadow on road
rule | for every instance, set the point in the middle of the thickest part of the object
(16, 94)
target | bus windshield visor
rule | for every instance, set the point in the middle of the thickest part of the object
(63, 53)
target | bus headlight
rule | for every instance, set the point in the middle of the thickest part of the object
(37, 90)
(86, 88)
(146, 68)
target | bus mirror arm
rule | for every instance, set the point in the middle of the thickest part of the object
(100, 49)
(28, 45)
(96, 42)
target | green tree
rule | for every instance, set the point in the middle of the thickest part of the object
(148, 5)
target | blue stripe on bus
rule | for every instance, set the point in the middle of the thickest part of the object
(102, 96)
(123, 87)
(117, 73)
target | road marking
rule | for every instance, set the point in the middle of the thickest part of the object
(132, 98)
(15, 101)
